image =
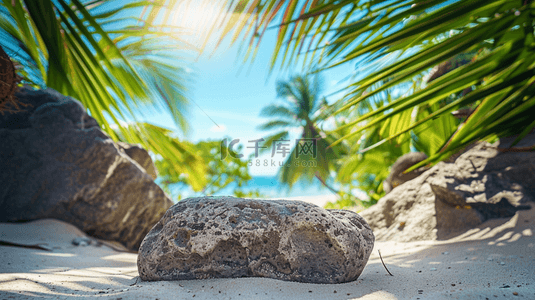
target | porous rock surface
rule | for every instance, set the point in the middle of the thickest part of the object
(487, 181)
(213, 237)
(55, 162)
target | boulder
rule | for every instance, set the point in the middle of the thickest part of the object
(215, 237)
(140, 156)
(57, 163)
(397, 177)
(487, 181)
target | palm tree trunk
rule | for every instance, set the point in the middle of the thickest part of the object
(326, 185)
(314, 133)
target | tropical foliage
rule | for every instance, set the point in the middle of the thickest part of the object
(221, 172)
(369, 158)
(113, 56)
(302, 110)
(399, 41)
(417, 61)
(355, 168)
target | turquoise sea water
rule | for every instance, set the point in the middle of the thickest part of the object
(272, 188)
(269, 186)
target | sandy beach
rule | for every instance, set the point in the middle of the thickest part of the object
(496, 260)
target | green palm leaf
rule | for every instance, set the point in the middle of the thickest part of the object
(275, 124)
(303, 110)
(116, 63)
(410, 38)
(176, 153)
(278, 110)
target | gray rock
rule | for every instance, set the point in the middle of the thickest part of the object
(482, 183)
(397, 177)
(57, 163)
(214, 237)
(140, 156)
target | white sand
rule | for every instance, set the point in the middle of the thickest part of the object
(493, 261)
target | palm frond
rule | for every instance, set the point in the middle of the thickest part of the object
(181, 156)
(416, 36)
(276, 124)
(277, 110)
(101, 53)
(270, 140)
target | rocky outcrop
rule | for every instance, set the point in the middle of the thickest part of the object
(213, 237)
(57, 163)
(487, 181)
(140, 156)
(397, 175)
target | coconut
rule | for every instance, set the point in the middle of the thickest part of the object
(8, 83)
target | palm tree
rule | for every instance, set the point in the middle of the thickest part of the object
(302, 109)
(398, 41)
(116, 57)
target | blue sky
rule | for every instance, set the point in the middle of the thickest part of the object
(227, 95)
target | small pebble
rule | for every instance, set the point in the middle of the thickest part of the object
(81, 241)
(502, 263)
(433, 269)
(515, 293)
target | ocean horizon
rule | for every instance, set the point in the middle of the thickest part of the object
(271, 188)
